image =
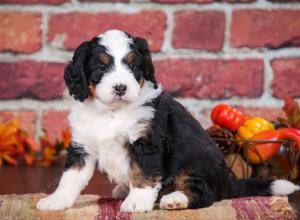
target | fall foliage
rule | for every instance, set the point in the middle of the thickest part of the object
(292, 111)
(16, 146)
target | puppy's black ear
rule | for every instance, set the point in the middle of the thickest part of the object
(75, 76)
(148, 67)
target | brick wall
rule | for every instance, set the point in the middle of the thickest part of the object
(242, 52)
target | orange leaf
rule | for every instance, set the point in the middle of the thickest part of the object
(10, 128)
(66, 138)
(29, 159)
(49, 152)
(32, 143)
(9, 139)
(10, 160)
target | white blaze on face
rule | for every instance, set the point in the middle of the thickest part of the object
(118, 46)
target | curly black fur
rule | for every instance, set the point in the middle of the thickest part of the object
(177, 145)
(142, 47)
(74, 76)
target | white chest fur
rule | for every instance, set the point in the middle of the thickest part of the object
(105, 133)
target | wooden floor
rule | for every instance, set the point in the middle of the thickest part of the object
(33, 180)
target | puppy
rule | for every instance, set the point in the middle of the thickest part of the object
(124, 124)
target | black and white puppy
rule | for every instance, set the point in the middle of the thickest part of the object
(146, 142)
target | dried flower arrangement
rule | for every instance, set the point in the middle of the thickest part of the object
(17, 147)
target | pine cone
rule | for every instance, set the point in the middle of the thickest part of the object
(226, 146)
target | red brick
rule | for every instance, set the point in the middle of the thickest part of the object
(20, 31)
(41, 80)
(286, 77)
(199, 30)
(284, 1)
(182, 1)
(26, 118)
(54, 123)
(265, 28)
(214, 79)
(201, 1)
(69, 30)
(237, 1)
(268, 113)
(104, 0)
(24, 2)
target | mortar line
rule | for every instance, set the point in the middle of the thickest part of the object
(38, 124)
(167, 45)
(227, 29)
(59, 56)
(92, 7)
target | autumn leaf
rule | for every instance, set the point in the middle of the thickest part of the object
(10, 159)
(32, 143)
(10, 146)
(50, 150)
(66, 135)
(16, 144)
(292, 111)
(8, 133)
(29, 159)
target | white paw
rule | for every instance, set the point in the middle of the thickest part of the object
(55, 202)
(140, 199)
(119, 192)
(136, 205)
(174, 200)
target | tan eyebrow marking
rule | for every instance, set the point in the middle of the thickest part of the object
(129, 58)
(104, 59)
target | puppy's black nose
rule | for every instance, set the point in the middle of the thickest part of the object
(120, 89)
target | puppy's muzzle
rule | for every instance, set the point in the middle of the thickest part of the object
(120, 89)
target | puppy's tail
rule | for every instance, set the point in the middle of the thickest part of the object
(258, 187)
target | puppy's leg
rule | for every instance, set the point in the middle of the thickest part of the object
(79, 169)
(140, 199)
(191, 192)
(142, 194)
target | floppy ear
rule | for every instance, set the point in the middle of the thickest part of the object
(148, 68)
(75, 76)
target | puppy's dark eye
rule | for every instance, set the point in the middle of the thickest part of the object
(102, 67)
(132, 66)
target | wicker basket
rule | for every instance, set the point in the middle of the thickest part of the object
(287, 151)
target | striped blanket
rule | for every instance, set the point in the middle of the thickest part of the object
(93, 207)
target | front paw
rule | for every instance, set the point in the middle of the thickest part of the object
(136, 205)
(55, 202)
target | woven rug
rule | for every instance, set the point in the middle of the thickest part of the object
(93, 207)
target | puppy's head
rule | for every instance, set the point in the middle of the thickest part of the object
(111, 67)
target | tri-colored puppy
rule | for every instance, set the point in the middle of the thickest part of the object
(124, 124)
